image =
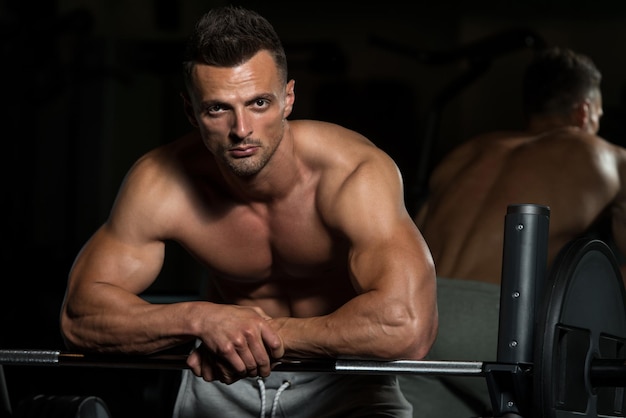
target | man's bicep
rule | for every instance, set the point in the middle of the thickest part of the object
(386, 244)
(399, 261)
(108, 257)
(127, 250)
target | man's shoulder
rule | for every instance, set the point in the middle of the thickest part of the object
(327, 145)
(160, 188)
(166, 164)
(341, 157)
(327, 132)
(574, 140)
(182, 150)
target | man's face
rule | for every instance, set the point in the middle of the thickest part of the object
(240, 111)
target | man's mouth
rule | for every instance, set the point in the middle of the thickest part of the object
(243, 151)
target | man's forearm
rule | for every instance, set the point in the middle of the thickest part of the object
(128, 325)
(365, 328)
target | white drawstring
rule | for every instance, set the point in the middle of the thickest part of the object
(280, 390)
(262, 392)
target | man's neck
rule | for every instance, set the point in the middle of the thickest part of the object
(543, 123)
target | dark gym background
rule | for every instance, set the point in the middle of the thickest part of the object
(88, 86)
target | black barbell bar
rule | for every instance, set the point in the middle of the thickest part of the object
(602, 372)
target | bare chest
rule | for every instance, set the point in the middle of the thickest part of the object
(247, 245)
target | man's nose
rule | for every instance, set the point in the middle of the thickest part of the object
(241, 127)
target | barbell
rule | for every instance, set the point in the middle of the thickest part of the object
(561, 339)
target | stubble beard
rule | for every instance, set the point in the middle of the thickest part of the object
(246, 167)
(250, 166)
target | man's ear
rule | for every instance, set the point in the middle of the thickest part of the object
(581, 113)
(188, 107)
(290, 97)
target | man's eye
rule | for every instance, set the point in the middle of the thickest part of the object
(261, 102)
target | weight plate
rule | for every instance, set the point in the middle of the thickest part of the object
(583, 317)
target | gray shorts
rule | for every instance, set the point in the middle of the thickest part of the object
(315, 395)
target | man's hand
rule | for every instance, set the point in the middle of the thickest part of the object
(238, 343)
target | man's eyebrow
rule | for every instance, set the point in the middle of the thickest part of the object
(209, 103)
(266, 96)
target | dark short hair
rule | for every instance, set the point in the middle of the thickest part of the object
(557, 79)
(229, 36)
